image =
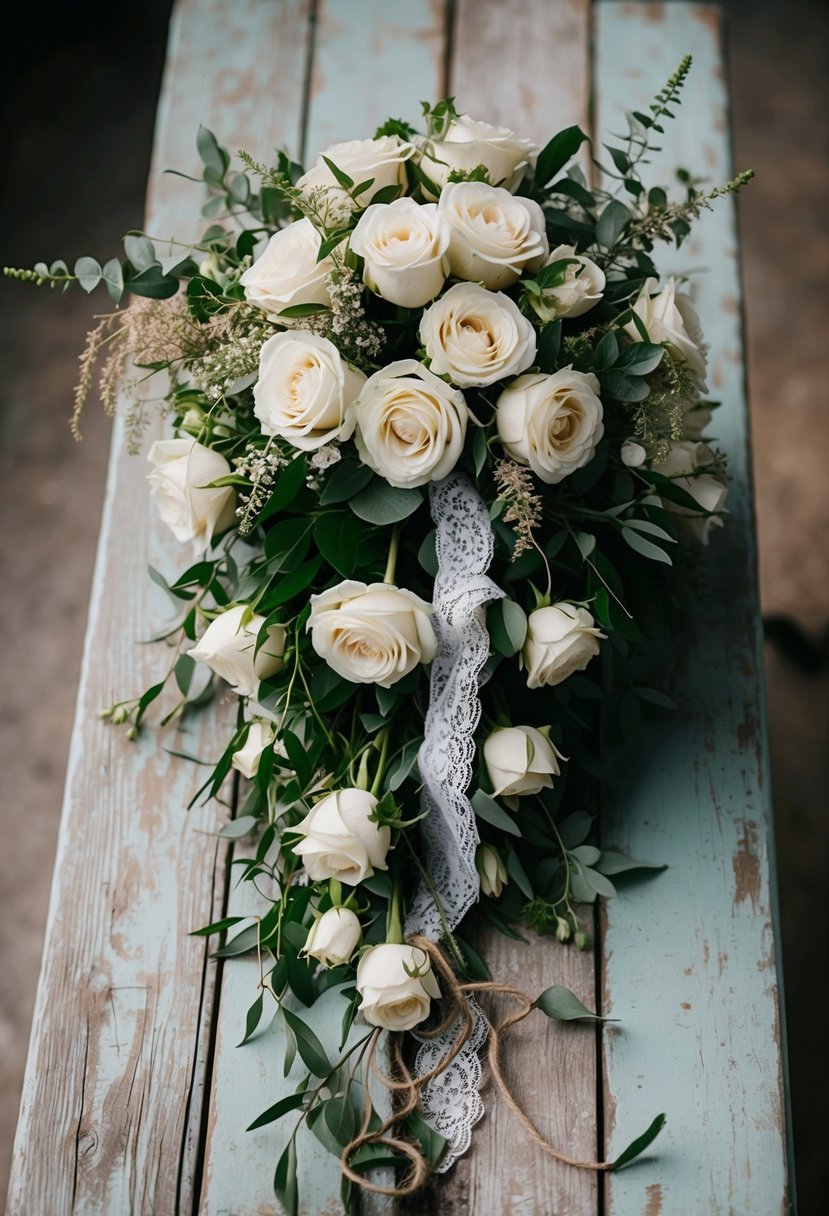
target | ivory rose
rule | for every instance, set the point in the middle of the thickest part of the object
(669, 317)
(561, 639)
(476, 337)
(491, 870)
(682, 465)
(340, 840)
(404, 246)
(466, 144)
(180, 487)
(247, 757)
(520, 760)
(553, 423)
(305, 391)
(581, 290)
(381, 161)
(495, 237)
(333, 937)
(410, 424)
(397, 986)
(227, 647)
(373, 634)
(288, 273)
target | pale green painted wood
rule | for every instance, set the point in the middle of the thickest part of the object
(690, 956)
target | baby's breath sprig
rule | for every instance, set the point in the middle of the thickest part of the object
(261, 466)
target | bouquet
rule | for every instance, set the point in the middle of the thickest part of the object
(437, 444)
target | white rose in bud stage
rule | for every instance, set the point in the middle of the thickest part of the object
(180, 487)
(491, 870)
(339, 839)
(405, 250)
(561, 640)
(553, 423)
(410, 424)
(372, 634)
(246, 758)
(670, 317)
(381, 161)
(584, 283)
(476, 336)
(520, 760)
(495, 237)
(466, 144)
(227, 647)
(397, 985)
(681, 465)
(305, 391)
(333, 937)
(633, 454)
(287, 273)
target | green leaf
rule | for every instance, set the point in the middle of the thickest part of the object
(310, 1048)
(645, 525)
(560, 1003)
(303, 310)
(486, 808)
(283, 1107)
(288, 484)
(607, 352)
(213, 155)
(340, 177)
(152, 284)
(640, 358)
(620, 159)
(427, 554)
(291, 585)
(432, 1143)
(241, 943)
(507, 625)
(284, 1180)
(549, 344)
(347, 479)
(140, 252)
(518, 874)
(612, 223)
(585, 543)
(554, 156)
(617, 385)
(339, 537)
(382, 504)
(218, 926)
(646, 547)
(88, 273)
(639, 1145)
(183, 670)
(113, 277)
(254, 1017)
(575, 829)
(655, 697)
(237, 828)
(612, 862)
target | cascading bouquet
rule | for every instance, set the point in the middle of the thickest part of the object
(436, 428)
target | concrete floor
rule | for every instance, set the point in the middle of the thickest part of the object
(76, 130)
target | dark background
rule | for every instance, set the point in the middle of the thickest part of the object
(79, 89)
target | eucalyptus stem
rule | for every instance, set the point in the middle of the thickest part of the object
(391, 564)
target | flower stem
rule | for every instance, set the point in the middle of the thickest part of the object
(394, 919)
(391, 564)
(383, 738)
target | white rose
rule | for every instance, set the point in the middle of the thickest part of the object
(495, 237)
(633, 454)
(669, 316)
(288, 273)
(180, 487)
(246, 758)
(468, 144)
(520, 760)
(340, 840)
(333, 937)
(476, 336)
(227, 647)
(561, 639)
(491, 870)
(397, 985)
(696, 417)
(381, 161)
(305, 391)
(681, 465)
(410, 424)
(580, 291)
(553, 423)
(405, 250)
(372, 634)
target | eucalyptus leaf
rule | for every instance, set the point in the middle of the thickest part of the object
(639, 1145)
(560, 1003)
(382, 504)
(283, 1107)
(486, 808)
(309, 1047)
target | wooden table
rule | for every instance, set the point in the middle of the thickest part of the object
(136, 1098)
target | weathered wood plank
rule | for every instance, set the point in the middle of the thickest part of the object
(690, 956)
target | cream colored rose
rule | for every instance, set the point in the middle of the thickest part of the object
(467, 144)
(682, 465)
(560, 640)
(288, 273)
(495, 237)
(340, 840)
(227, 647)
(553, 423)
(372, 634)
(410, 424)
(669, 317)
(520, 760)
(491, 870)
(381, 161)
(633, 454)
(476, 337)
(180, 487)
(246, 758)
(405, 250)
(305, 391)
(333, 937)
(397, 986)
(584, 283)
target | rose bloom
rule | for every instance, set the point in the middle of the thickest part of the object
(305, 390)
(491, 870)
(391, 996)
(404, 247)
(227, 647)
(180, 487)
(411, 425)
(670, 317)
(247, 757)
(682, 464)
(495, 237)
(553, 423)
(466, 144)
(333, 937)
(520, 760)
(380, 160)
(288, 273)
(584, 283)
(561, 640)
(372, 634)
(340, 840)
(476, 336)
